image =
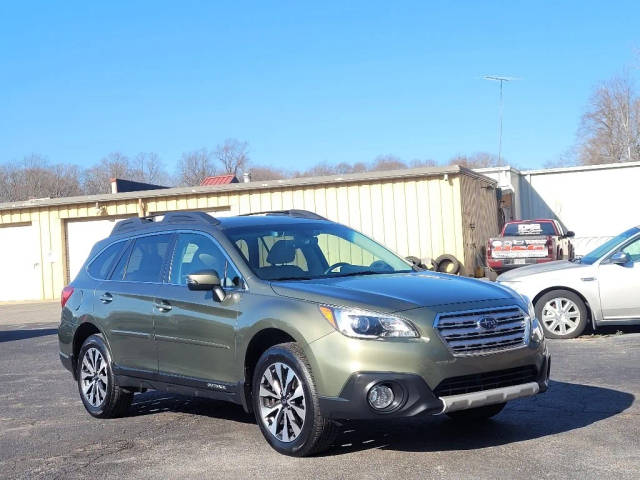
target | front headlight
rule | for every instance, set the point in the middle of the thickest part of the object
(536, 329)
(531, 311)
(363, 324)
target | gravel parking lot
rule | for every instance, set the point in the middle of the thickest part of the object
(586, 426)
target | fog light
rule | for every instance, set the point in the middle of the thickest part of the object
(380, 396)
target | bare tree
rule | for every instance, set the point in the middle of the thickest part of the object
(148, 168)
(233, 155)
(427, 162)
(610, 128)
(319, 170)
(477, 160)
(262, 173)
(195, 166)
(34, 177)
(387, 162)
(97, 179)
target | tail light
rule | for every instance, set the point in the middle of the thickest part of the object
(489, 249)
(550, 246)
(66, 294)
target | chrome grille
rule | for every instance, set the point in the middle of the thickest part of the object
(479, 332)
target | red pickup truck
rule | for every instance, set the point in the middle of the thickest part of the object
(526, 242)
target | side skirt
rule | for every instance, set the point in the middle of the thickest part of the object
(195, 387)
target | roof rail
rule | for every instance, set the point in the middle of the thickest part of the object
(290, 213)
(131, 224)
(137, 223)
(189, 217)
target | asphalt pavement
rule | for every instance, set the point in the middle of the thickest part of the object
(586, 426)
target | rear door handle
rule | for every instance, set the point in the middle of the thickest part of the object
(162, 305)
(106, 298)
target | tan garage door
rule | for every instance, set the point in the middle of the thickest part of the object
(20, 264)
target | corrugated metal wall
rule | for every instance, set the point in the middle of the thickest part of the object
(414, 215)
(479, 218)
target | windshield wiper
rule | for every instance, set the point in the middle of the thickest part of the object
(291, 278)
(353, 274)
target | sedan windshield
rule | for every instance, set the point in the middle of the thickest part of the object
(312, 250)
(606, 247)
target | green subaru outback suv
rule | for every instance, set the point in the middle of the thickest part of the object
(303, 321)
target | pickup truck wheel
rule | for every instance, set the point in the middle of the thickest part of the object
(478, 413)
(286, 404)
(96, 383)
(562, 314)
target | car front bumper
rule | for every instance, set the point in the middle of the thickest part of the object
(416, 398)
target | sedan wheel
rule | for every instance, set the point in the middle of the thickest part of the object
(283, 408)
(562, 313)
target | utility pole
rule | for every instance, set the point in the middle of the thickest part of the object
(501, 80)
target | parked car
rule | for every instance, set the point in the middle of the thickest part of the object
(602, 287)
(527, 242)
(298, 319)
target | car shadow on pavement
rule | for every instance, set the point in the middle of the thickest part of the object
(12, 335)
(565, 407)
(153, 402)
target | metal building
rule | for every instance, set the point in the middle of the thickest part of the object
(594, 201)
(423, 212)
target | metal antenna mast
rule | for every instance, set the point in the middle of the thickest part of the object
(496, 78)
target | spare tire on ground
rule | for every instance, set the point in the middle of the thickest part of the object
(447, 264)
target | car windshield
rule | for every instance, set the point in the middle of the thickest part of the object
(529, 228)
(311, 250)
(606, 247)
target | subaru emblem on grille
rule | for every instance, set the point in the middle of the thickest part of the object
(488, 323)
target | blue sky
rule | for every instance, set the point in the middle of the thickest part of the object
(304, 82)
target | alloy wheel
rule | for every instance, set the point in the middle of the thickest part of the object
(93, 377)
(282, 402)
(561, 316)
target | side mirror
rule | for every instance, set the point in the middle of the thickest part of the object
(413, 260)
(207, 280)
(203, 280)
(620, 258)
(570, 234)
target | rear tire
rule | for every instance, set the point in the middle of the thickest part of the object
(96, 383)
(289, 417)
(478, 413)
(562, 314)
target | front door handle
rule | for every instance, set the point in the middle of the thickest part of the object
(162, 306)
(106, 298)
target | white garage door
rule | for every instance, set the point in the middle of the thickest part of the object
(83, 234)
(81, 237)
(21, 272)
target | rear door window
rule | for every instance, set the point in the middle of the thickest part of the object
(147, 258)
(100, 267)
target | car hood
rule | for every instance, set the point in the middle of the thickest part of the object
(393, 292)
(550, 268)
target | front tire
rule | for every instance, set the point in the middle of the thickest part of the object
(96, 383)
(562, 314)
(478, 413)
(286, 405)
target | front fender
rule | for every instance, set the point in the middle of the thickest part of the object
(301, 320)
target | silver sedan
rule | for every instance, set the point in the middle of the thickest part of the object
(602, 287)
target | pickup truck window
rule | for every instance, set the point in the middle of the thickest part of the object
(524, 229)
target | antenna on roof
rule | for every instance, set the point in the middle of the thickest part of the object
(501, 79)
